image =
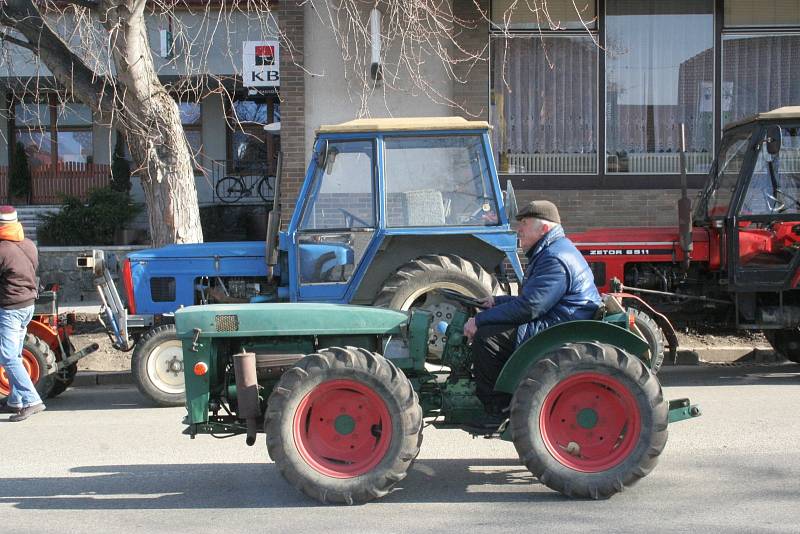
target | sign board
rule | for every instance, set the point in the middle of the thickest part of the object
(261, 64)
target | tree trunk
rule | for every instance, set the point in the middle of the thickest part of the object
(151, 120)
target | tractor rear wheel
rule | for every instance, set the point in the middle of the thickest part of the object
(589, 419)
(413, 285)
(653, 335)
(786, 342)
(38, 360)
(343, 425)
(63, 380)
(157, 366)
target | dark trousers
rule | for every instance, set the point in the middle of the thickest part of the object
(492, 346)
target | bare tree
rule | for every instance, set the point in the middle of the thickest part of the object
(99, 53)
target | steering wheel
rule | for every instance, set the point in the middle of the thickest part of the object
(773, 203)
(458, 297)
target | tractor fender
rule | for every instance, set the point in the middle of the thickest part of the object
(46, 333)
(550, 339)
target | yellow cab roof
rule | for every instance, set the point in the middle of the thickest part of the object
(404, 124)
(786, 112)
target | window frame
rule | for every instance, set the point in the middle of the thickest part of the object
(52, 129)
(603, 180)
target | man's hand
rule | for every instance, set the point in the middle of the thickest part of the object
(487, 302)
(470, 328)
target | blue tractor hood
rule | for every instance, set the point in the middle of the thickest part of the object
(250, 249)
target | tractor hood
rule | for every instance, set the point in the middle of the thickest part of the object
(287, 319)
(201, 250)
(639, 236)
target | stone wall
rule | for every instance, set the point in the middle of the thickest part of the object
(57, 265)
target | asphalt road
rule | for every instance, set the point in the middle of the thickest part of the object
(98, 460)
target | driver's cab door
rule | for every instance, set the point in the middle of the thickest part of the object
(338, 219)
(765, 221)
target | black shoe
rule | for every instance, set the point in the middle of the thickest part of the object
(27, 412)
(485, 424)
(5, 408)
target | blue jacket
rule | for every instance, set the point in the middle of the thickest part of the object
(558, 286)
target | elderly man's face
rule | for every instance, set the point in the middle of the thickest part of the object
(530, 231)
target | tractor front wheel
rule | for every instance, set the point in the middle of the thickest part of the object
(157, 366)
(786, 342)
(589, 419)
(343, 425)
(38, 360)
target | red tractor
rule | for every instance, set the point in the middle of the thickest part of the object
(734, 260)
(48, 354)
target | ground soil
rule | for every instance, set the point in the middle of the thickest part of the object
(88, 330)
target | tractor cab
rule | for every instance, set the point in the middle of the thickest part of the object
(752, 202)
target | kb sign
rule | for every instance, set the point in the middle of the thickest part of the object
(261, 64)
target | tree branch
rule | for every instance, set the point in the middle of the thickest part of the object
(69, 69)
(18, 42)
(88, 4)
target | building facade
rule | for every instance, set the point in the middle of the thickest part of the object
(586, 99)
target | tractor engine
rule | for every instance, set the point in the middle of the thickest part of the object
(233, 289)
(698, 281)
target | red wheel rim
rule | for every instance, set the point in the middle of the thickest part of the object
(342, 428)
(31, 366)
(590, 422)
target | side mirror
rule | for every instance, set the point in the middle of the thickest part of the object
(330, 159)
(773, 140)
(511, 202)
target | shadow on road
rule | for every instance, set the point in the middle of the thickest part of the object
(236, 485)
(785, 374)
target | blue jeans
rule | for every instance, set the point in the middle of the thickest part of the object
(13, 326)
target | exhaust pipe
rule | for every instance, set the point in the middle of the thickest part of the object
(244, 368)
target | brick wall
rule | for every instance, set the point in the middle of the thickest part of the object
(292, 92)
(581, 210)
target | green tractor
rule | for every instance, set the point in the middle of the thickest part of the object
(342, 393)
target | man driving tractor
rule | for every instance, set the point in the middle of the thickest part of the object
(558, 286)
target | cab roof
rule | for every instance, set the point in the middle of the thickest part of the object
(786, 112)
(404, 124)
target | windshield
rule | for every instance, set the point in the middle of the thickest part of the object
(726, 173)
(774, 187)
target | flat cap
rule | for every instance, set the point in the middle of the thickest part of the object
(541, 209)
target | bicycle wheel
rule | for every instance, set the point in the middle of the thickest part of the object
(230, 189)
(265, 189)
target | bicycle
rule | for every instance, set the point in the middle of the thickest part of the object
(233, 188)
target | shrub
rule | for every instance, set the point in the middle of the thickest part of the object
(93, 223)
(19, 176)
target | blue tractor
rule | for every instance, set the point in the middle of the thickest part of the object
(390, 211)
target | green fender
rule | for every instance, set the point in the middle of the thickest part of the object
(570, 332)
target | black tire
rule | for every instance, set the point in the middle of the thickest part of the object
(412, 285)
(38, 353)
(265, 190)
(157, 366)
(785, 342)
(319, 372)
(621, 381)
(230, 189)
(63, 380)
(653, 335)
